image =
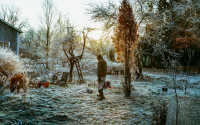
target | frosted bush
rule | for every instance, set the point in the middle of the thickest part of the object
(9, 65)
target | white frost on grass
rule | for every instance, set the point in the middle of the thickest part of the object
(73, 105)
(9, 62)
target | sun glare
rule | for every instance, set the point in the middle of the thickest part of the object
(96, 34)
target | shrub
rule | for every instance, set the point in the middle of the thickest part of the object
(9, 65)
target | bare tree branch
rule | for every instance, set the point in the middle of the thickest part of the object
(12, 15)
(104, 13)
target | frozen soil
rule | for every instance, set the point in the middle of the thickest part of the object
(71, 104)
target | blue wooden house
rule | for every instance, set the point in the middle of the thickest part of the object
(9, 36)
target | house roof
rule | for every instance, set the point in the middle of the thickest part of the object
(10, 25)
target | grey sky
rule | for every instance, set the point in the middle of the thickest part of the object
(75, 9)
(31, 9)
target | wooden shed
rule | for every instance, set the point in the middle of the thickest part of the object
(9, 36)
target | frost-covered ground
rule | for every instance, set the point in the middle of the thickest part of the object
(71, 104)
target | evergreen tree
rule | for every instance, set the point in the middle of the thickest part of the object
(125, 37)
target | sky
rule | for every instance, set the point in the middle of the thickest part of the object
(75, 9)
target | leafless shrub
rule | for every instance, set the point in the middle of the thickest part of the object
(9, 65)
(13, 15)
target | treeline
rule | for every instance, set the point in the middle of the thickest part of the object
(173, 29)
(168, 31)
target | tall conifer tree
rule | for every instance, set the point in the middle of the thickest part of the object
(125, 37)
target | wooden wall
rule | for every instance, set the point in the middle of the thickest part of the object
(8, 34)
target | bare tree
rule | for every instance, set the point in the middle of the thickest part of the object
(47, 21)
(62, 29)
(104, 13)
(12, 15)
(70, 45)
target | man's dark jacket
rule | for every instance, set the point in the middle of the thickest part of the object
(102, 68)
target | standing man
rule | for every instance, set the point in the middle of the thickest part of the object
(101, 73)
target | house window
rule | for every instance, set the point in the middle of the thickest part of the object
(4, 44)
(1, 44)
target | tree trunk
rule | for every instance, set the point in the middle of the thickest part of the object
(144, 60)
(126, 85)
(47, 57)
(139, 58)
(71, 70)
(47, 48)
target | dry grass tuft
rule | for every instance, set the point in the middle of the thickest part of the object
(10, 65)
